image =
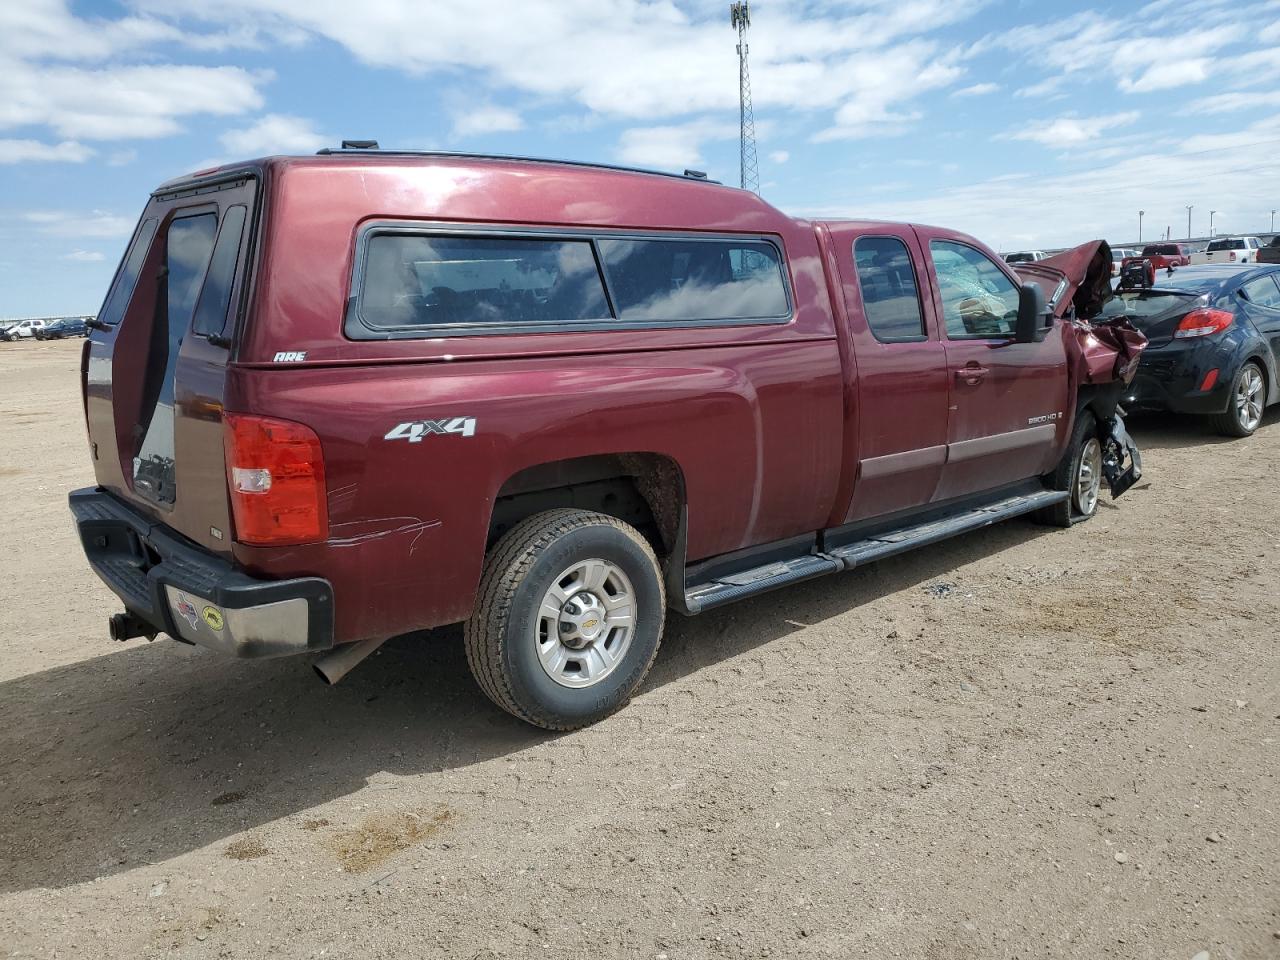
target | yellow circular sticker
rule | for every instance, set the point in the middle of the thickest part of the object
(212, 617)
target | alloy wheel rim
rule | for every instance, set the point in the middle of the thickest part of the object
(585, 623)
(1249, 399)
(1089, 477)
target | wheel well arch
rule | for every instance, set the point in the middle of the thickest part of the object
(1264, 364)
(644, 489)
(1100, 400)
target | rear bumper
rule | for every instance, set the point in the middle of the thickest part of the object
(194, 595)
(1169, 378)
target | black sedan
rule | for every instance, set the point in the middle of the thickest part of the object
(1214, 347)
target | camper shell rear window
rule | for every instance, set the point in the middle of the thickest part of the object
(418, 282)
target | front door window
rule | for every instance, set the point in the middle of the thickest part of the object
(978, 300)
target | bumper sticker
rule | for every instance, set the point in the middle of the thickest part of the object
(213, 618)
(188, 610)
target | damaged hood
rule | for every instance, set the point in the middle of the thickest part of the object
(1079, 278)
(1078, 285)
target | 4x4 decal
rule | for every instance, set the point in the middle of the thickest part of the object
(415, 430)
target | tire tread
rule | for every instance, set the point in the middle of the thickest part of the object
(484, 633)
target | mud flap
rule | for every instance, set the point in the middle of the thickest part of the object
(1117, 447)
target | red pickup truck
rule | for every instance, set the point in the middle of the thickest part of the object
(1162, 256)
(337, 398)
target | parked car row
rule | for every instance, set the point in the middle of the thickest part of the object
(56, 329)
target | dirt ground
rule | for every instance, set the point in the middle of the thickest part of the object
(1023, 743)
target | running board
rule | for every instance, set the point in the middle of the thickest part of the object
(890, 542)
(737, 586)
(748, 583)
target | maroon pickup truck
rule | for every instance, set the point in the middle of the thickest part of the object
(338, 398)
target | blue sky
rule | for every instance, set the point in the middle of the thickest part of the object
(1026, 123)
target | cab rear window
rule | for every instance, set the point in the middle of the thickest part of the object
(412, 284)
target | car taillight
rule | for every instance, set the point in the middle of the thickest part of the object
(1202, 323)
(275, 473)
(1233, 254)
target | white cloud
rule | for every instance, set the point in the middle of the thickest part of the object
(121, 158)
(1173, 47)
(84, 256)
(1102, 200)
(1166, 76)
(1050, 87)
(779, 157)
(881, 83)
(639, 59)
(49, 30)
(27, 151)
(977, 90)
(484, 119)
(676, 147)
(1070, 130)
(1233, 102)
(117, 103)
(97, 223)
(275, 133)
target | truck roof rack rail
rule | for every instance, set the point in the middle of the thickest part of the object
(371, 146)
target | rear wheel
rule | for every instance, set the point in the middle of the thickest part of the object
(1079, 473)
(568, 618)
(1244, 409)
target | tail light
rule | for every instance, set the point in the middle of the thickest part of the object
(1203, 323)
(275, 472)
(1233, 255)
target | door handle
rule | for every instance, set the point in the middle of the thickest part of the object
(972, 374)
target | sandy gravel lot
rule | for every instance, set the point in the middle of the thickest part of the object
(1023, 743)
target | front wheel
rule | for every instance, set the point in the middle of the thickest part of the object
(1079, 473)
(568, 618)
(1247, 401)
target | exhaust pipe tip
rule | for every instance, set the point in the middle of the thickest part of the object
(335, 665)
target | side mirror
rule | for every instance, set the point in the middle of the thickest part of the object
(1033, 315)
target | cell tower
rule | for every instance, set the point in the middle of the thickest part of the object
(748, 167)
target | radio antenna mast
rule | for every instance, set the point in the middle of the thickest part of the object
(748, 167)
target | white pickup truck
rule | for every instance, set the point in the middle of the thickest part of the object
(21, 330)
(1229, 250)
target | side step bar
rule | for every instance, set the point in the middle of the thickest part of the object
(727, 588)
(891, 542)
(736, 586)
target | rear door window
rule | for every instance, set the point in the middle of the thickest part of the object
(122, 290)
(887, 281)
(694, 279)
(188, 246)
(211, 312)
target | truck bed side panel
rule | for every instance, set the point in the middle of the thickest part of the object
(753, 429)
